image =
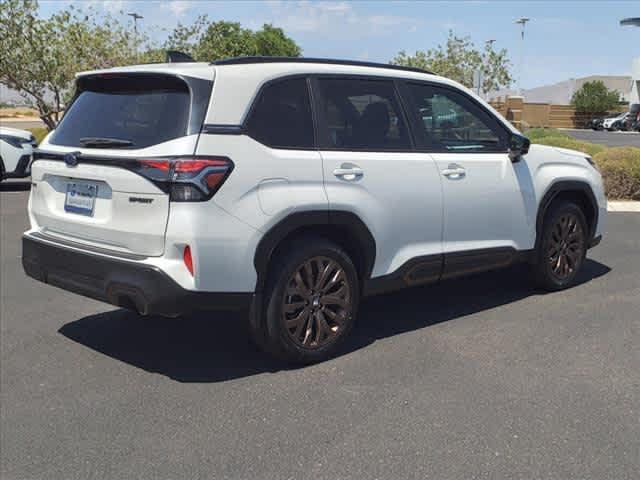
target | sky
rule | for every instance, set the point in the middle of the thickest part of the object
(564, 39)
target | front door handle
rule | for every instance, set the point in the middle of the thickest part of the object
(454, 171)
(348, 173)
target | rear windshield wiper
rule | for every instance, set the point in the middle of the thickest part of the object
(103, 142)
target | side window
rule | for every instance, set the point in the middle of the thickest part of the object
(281, 117)
(453, 123)
(361, 114)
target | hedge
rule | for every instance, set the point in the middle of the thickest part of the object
(620, 168)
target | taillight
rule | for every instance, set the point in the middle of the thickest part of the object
(187, 179)
(188, 259)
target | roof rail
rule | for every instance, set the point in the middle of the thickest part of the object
(330, 61)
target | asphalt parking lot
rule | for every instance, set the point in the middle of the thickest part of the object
(479, 378)
(603, 137)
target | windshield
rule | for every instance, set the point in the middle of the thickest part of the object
(125, 112)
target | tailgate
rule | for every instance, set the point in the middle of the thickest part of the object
(124, 212)
(94, 180)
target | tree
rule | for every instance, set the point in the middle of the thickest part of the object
(594, 97)
(272, 42)
(208, 41)
(458, 59)
(41, 56)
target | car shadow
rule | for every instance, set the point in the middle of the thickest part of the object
(14, 186)
(214, 347)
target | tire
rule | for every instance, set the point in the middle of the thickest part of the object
(562, 248)
(314, 282)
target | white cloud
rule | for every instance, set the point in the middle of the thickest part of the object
(114, 6)
(335, 18)
(177, 7)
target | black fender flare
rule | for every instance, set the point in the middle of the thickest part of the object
(298, 221)
(561, 186)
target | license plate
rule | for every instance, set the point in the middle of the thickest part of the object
(81, 198)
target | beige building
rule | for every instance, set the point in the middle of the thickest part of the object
(561, 93)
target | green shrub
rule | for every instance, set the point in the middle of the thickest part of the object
(39, 133)
(620, 168)
(534, 134)
(572, 144)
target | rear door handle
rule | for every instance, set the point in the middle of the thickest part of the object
(454, 171)
(350, 173)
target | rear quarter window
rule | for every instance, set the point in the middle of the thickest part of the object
(141, 110)
(281, 116)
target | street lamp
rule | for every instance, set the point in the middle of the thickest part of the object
(634, 94)
(633, 21)
(522, 22)
(135, 17)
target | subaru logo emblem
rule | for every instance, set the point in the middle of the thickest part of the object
(71, 159)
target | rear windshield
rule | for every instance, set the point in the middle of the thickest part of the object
(139, 111)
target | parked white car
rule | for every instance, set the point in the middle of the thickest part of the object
(16, 149)
(615, 123)
(290, 189)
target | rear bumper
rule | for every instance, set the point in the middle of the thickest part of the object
(133, 285)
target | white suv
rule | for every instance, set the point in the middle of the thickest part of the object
(16, 148)
(290, 189)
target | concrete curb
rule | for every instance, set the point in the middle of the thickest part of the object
(623, 206)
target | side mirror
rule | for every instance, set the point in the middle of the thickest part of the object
(518, 146)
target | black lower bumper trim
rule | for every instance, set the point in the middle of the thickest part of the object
(127, 284)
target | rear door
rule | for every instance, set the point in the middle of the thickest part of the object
(370, 168)
(95, 181)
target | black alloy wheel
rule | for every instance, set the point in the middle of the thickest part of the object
(562, 247)
(311, 301)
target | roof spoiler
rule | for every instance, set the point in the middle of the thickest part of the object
(174, 56)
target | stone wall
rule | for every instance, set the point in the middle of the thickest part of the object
(527, 115)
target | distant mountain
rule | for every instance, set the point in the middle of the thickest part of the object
(10, 96)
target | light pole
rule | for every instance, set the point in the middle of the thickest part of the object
(634, 94)
(135, 17)
(522, 22)
(633, 21)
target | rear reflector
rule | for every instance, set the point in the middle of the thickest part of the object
(188, 260)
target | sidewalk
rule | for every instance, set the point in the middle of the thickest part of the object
(623, 206)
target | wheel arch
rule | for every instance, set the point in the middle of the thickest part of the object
(342, 227)
(577, 191)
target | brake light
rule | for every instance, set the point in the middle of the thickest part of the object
(187, 179)
(188, 260)
(163, 165)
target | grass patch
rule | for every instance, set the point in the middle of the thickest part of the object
(39, 133)
(17, 112)
(591, 149)
(534, 134)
